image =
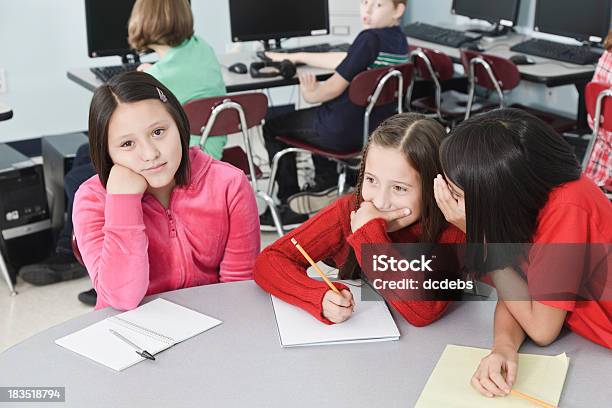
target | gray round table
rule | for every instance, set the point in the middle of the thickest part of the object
(240, 363)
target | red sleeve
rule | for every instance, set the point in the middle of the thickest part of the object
(416, 312)
(559, 225)
(281, 269)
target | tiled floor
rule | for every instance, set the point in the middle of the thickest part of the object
(37, 308)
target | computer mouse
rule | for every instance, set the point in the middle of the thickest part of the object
(522, 59)
(473, 46)
(238, 68)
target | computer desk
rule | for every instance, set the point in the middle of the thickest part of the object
(545, 71)
(233, 82)
(240, 363)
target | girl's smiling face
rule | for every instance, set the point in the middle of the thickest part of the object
(390, 182)
(143, 137)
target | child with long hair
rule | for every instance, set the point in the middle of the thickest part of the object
(393, 203)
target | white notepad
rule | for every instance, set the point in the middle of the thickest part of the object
(154, 327)
(370, 322)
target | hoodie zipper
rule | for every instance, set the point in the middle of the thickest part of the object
(174, 234)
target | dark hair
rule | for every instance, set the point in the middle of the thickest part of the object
(608, 41)
(126, 88)
(418, 137)
(506, 161)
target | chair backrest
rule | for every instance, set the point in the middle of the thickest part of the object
(224, 115)
(199, 111)
(599, 92)
(364, 85)
(440, 63)
(505, 71)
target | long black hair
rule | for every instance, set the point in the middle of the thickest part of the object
(506, 161)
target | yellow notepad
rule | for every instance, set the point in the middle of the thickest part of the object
(541, 377)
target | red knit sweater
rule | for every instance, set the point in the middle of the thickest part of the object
(281, 270)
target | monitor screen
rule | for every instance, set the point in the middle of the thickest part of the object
(584, 20)
(253, 20)
(504, 12)
(107, 22)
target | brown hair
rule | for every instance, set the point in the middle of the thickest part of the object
(608, 41)
(162, 22)
(126, 88)
(419, 138)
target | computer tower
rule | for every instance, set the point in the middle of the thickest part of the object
(58, 153)
(25, 225)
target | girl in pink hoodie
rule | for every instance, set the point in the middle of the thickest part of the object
(158, 216)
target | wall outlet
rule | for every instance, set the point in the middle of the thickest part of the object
(2, 81)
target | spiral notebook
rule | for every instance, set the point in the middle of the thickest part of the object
(154, 326)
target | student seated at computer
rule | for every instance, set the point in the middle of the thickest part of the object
(599, 168)
(337, 124)
(158, 216)
(509, 178)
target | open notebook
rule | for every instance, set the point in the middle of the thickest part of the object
(371, 321)
(449, 386)
(154, 327)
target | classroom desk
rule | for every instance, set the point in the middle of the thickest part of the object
(545, 71)
(233, 82)
(241, 363)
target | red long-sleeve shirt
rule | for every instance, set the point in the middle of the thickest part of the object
(281, 270)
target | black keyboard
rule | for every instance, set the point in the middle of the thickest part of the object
(308, 48)
(106, 73)
(574, 54)
(325, 47)
(439, 35)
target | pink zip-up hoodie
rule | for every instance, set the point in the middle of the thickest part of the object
(132, 246)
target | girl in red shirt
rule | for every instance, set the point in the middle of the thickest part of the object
(510, 178)
(393, 203)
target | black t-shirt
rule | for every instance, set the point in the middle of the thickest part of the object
(339, 119)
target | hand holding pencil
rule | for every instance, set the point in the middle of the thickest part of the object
(337, 305)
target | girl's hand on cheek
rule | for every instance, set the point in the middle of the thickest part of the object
(452, 208)
(122, 180)
(395, 220)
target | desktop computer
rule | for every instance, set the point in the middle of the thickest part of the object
(107, 35)
(265, 20)
(587, 21)
(58, 153)
(503, 14)
(25, 225)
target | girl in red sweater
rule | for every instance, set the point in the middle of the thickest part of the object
(393, 203)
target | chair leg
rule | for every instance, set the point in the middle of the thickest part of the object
(275, 217)
(342, 180)
(6, 276)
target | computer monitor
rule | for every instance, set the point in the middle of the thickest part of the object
(583, 20)
(107, 27)
(263, 20)
(500, 13)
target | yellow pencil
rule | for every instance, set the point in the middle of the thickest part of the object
(314, 265)
(534, 400)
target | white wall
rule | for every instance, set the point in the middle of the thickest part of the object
(41, 39)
